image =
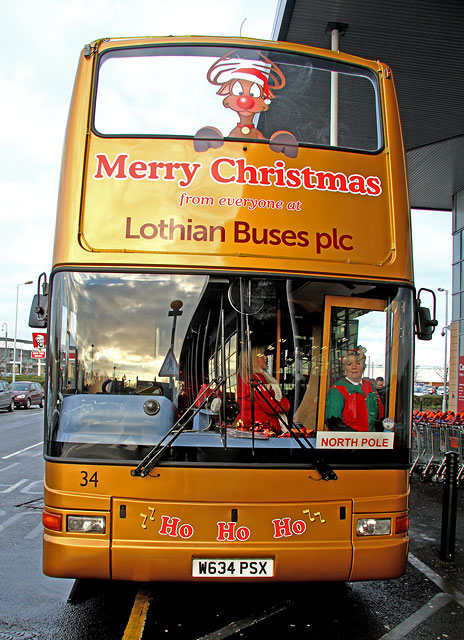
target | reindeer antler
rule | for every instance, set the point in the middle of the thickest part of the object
(227, 66)
(217, 65)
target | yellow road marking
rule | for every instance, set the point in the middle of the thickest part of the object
(138, 616)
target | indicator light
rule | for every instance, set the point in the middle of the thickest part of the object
(402, 524)
(51, 520)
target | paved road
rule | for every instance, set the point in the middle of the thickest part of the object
(426, 603)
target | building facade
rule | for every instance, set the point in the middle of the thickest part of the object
(457, 326)
(25, 363)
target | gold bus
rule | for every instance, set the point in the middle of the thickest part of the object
(233, 234)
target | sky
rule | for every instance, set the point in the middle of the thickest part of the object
(432, 254)
(40, 43)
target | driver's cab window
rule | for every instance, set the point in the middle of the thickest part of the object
(358, 361)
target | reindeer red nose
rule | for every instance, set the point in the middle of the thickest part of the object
(245, 102)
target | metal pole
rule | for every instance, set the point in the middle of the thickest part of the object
(450, 500)
(13, 368)
(444, 405)
(445, 383)
(334, 95)
(5, 327)
(13, 374)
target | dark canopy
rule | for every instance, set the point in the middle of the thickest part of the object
(422, 41)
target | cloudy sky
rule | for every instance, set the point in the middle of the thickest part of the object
(39, 45)
(432, 269)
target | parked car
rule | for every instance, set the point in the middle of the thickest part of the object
(420, 390)
(27, 394)
(441, 390)
(6, 396)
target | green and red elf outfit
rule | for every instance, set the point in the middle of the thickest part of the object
(353, 405)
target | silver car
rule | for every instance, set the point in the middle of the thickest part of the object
(6, 396)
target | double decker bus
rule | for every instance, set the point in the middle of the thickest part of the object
(232, 224)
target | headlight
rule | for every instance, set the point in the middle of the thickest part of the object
(86, 524)
(21, 395)
(373, 527)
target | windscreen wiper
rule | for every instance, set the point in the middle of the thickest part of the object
(325, 471)
(157, 452)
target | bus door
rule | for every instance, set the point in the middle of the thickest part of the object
(366, 330)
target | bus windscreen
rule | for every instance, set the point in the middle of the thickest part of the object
(136, 353)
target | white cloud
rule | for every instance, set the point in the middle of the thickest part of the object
(40, 43)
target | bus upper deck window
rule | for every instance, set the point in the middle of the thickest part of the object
(265, 91)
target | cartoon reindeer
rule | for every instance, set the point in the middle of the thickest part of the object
(248, 87)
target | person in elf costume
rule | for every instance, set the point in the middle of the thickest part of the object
(353, 403)
(266, 410)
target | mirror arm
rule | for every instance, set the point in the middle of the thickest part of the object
(39, 309)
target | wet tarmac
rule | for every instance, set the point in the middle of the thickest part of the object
(426, 603)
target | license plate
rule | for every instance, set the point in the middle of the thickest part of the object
(232, 567)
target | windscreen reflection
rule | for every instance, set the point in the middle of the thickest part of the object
(236, 363)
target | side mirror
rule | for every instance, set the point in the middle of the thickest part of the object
(38, 316)
(424, 320)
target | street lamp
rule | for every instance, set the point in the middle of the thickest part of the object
(13, 378)
(443, 333)
(5, 328)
